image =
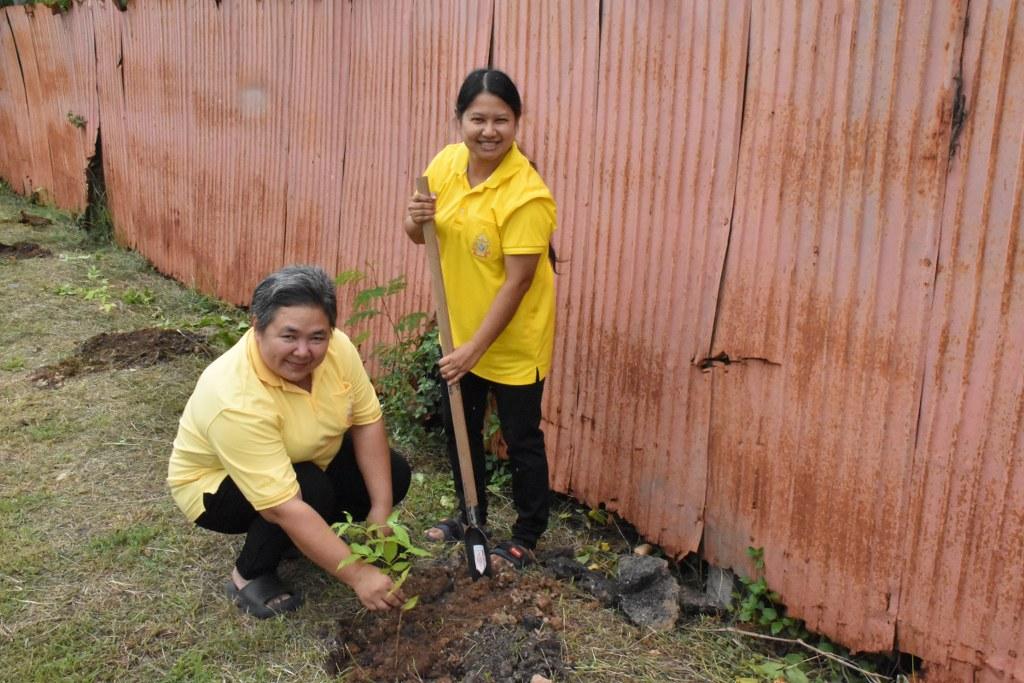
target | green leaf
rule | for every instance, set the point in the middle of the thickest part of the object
(777, 627)
(360, 316)
(367, 295)
(401, 535)
(395, 286)
(418, 552)
(410, 322)
(769, 669)
(768, 615)
(348, 277)
(390, 551)
(410, 603)
(795, 675)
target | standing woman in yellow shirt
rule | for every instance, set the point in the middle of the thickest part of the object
(494, 217)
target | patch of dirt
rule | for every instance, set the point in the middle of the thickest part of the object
(122, 350)
(22, 250)
(33, 220)
(504, 628)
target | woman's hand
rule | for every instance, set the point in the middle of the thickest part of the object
(379, 515)
(460, 361)
(420, 209)
(374, 589)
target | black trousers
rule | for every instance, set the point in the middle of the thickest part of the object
(331, 493)
(519, 412)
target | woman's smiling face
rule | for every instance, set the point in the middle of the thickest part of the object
(295, 342)
(488, 128)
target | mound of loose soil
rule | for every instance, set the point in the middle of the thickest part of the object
(495, 629)
(122, 350)
(22, 250)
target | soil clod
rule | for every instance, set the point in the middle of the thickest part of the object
(23, 250)
(122, 350)
(33, 220)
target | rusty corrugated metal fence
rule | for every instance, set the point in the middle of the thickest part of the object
(792, 292)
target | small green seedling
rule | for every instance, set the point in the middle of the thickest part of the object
(392, 553)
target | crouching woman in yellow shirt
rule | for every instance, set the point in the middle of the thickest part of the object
(282, 435)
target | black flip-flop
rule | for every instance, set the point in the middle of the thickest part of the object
(452, 531)
(516, 554)
(253, 598)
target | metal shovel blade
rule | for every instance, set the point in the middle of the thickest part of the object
(478, 559)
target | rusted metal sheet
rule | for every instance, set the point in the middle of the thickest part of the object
(551, 50)
(408, 60)
(825, 303)
(52, 56)
(963, 589)
(15, 164)
(645, 248)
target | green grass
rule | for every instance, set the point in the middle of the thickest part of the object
(102, 578)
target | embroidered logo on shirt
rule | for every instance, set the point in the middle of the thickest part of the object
(482, 246)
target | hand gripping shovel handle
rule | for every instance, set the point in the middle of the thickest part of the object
(477, 556)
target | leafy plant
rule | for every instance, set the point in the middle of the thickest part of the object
(142, 297)
(392, 553)
(762, 606)
(98, 291)
(407, 380)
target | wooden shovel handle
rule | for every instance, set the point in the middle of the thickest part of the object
(444, 329)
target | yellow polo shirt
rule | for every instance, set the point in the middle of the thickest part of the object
(512, 212)
(245, 421)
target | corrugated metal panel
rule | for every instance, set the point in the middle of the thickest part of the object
(120, 193)
(963, 589)
(15, 162)
(408, 60)
(317, 129)
(55, 55)
(646, 261)
(551, 50)
(826, 293)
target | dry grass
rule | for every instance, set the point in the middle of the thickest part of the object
(102, 579)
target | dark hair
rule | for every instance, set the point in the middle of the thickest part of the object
(488, 80)
(293, 286)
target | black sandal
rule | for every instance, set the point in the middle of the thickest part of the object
(253, 598)
(514, 553)
(451, 530)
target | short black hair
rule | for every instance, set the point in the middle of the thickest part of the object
(293, 286)
(488, 80)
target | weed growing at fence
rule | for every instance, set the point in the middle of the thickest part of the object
(762, 606)
(407, 381)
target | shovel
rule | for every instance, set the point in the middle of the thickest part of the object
(477, 557)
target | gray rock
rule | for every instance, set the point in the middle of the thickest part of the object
(648, 593)
(696, 602)
(598, 586)
(719, 587)
(563, 568)
(638, 571)
(656, 606)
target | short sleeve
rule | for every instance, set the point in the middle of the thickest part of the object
(528, 229)
(252, 452)
(365, 404)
